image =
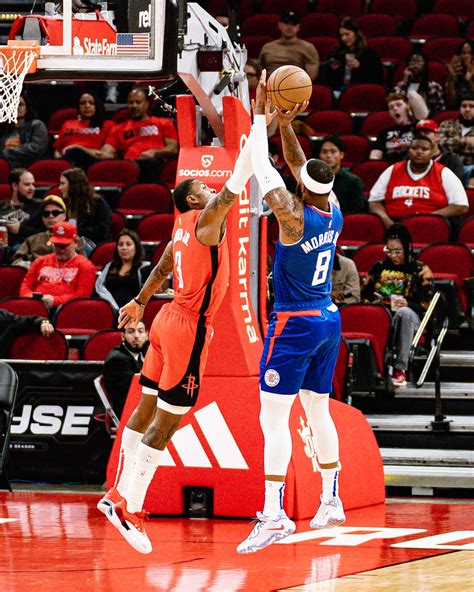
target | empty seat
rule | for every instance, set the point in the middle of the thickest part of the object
(168, 172)
(341, 7)
(359, 229)
(356, 148)
(426, 227)
(375, 122)
(391, 50)
(47, 172)
(465, 234)
(102, 254)
(5, 191)
(153, 308)
(117, 224)
(402, 9)
(330, 121)
(11, 277)
(277, 6)
(369, 171)
(113, 173)
(324, 45)
(368, 254)
(319, 23)
(254, 44)
(321, 97)
(261, 24)
(4, 170)
(442, 48)
(461, 9)
(98, 345)
(158, 252)
(84, 316)
(363, 98)
(59, 117)
(145, 198)
(155, 228)
(375, 24)
(435, 25)
(33, 346)
(25, 306)
(443, 115)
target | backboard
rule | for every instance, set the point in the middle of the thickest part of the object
(101, 44)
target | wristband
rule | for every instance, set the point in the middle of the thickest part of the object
(139, 303)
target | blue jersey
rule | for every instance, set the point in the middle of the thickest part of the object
(302, 271)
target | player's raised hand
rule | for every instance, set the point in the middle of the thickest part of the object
(269, 114)
(286, 117)
(261, 95)
(131, 312)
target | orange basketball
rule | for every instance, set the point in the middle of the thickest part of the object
(287, 86)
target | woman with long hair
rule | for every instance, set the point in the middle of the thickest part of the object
(90, 212)
(352, 61)
(25, 141)
(460, 81)
(124, 276)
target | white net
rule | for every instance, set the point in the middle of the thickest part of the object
(13, 69)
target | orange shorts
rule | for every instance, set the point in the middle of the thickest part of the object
(175, 361)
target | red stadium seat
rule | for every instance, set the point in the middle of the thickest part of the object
(145, 198)
(369, 171)
(155, 227)
(434, 25)
(330, 121)
(470, 198)
(461, 9)
(25, 306)
(33, 346)
(47, 172)
(102, 254)
(363, 98)
(375, 122)
(98, 345)
(375, 24)
(442, 48)
(84, 316)
(261, 24)
(367, 255)
(424, 227)
(4, 170)
(11, 277)
(358, 229)
(118, 223)
(158, 252)
(443, 115)
(319, 23)
(254, 44)
(168, 172)
(470, 30)
(391, 50)
(113, 173)
(321, 98)
(152, 309)
(276, 6)
(465, 234)
(5, 191)
(324, 45)
(121, 115)
(356, 148)
(59, 117)
(402, 9)
(340, 7)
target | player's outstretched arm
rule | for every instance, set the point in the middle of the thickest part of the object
(211, 224)
(133, 310)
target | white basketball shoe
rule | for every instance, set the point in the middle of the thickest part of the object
(330, 513)
(267, 531)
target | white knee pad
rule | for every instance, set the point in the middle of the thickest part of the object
(316, 406)
(274, 420)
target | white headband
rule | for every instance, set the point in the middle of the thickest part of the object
(313, 185)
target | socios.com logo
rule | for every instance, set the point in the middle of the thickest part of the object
(206, 160)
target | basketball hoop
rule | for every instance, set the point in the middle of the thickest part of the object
(17, 59)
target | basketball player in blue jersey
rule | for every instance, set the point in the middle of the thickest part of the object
(302, 343)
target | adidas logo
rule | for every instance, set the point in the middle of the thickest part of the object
(218, 437)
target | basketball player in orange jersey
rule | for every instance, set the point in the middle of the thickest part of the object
(179, 340)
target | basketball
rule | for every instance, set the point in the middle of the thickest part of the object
(287, 86)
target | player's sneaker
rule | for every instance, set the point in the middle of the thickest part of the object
(266, 531)
(330, 513)
(132, 527)
(106, 505)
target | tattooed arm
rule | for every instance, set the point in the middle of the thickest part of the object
(211, 224)
(133, 310)
(289, 211)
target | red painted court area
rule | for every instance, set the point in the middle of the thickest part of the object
(60, 542)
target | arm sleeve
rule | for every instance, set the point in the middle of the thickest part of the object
(268, 177)
(378, 191)
(453, 188)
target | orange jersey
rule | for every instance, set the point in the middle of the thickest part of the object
(201, 273)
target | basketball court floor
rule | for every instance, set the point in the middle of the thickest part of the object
(59, 541)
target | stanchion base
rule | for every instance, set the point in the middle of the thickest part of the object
(440, 425)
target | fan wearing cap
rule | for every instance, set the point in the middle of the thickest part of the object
(61, 275)
(428, 128)
(289, 49)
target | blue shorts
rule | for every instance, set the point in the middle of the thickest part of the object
(300, 351)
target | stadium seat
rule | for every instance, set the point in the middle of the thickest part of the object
(374, 24)
(330, 121)
(461, 9)
(277, 6)
(434, 25)
(324, 45)
(319, 23)
(341, 372)
(145, 198)
(450, 261)
(11, 277)
(369, 171)
(470, 198)
(98, 345)
(424, 227)
(59, 117)
(470, 30)
(465, 234)
(158, 252)
(121, 115)
(154, 228)
(356, 148)
(5, 191)
(33, 346)
(442, 48)
(113, 173)
(359, 229)
(25, 306)
(363, 98)
(4, 170)
(102, 254)
(375, 123)
(84, 316)
(340, 7)
(254, 44)
(168, 172)
(321, 98)
(261, 24)
(443, 115)
(368, 254)
(118, 223)
(391, 50)
(152, 309)
(47, 172)
(403, 10)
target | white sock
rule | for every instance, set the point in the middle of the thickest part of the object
(273, 498)
(147, 460)
(128, 449)
(330, 479)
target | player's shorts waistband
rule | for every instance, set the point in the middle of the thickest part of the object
(303, 305)
(186, 313)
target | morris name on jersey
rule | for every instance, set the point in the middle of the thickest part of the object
(330, 236)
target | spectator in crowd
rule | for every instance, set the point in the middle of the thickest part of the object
(416, 77)
(124, 276)
(25, 141)
(430, 129)
(22, 212)
(458, 136)
(348, 187)
(417, 186)
(87, 132)
(460, 81)
(392, 143)
(87, 210)
(345, 281)
(12, 325)
(123, 362)
(289, 49)
(253, 71)
(352, 61)
(405, 285)
(62, 275)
